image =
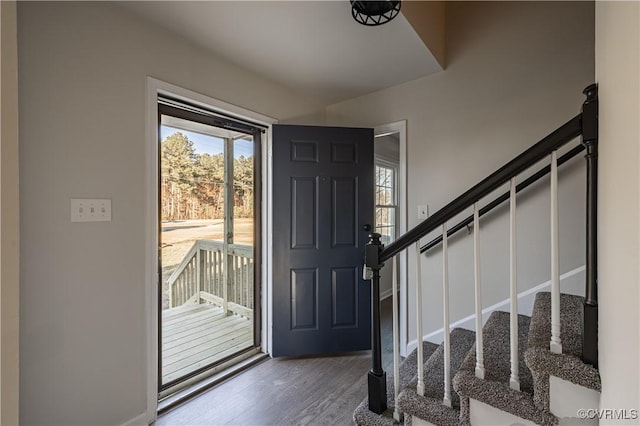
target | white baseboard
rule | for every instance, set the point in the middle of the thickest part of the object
(139, 420)
(385, 294)
(525, 306)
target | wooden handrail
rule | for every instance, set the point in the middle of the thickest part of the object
(504, 197)
(185, 261)
(570, 130)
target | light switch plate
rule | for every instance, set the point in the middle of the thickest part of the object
(90, 210)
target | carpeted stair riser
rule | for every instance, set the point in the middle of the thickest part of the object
(408, 368)
(429, 407)
(494, 390)
(568, 365)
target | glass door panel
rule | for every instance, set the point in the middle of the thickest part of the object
(206, 270)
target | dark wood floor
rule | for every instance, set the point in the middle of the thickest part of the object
(288, 391)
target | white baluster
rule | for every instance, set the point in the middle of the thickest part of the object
(396, 340)
(420, 385)
(556, 343)
(478, 292)
(446, 400)
(514, 380)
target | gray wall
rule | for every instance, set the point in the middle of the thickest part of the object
(515, 72)
(9, 217)
(83, 69)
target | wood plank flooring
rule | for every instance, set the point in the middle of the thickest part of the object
(288, 391)
(194, 336)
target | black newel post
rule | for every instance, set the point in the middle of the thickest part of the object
(377, 378)
(590, 141)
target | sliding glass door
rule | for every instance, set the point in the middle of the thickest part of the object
(208, 240)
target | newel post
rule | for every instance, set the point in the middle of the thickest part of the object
(590, 141)
(377, 378)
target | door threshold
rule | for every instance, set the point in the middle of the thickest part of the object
(205, 381)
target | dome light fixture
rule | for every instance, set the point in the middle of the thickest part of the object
(373, 13)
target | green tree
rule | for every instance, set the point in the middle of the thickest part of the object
(210, 187)
(178, 176)
(192, 184)
(243, 186)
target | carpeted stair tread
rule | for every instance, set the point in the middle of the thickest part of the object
(495, 390)
(568, 365)
(496, 337)
(429, 407)
(408, 368)
(571, 319)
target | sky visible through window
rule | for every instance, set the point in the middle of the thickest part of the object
(209, 144)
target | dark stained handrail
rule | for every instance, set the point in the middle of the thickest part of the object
(564, 134)
(504, 197)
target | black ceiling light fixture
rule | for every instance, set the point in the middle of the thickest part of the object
(372, 13)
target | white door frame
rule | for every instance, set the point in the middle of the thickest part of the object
(400, 127)
(157, 87)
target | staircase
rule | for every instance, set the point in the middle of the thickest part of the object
(514, 369)
(491, 401)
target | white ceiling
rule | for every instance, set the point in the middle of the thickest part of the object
(314, 47)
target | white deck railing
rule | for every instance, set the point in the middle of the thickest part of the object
(208, 274)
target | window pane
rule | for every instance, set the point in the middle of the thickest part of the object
(386, 200)
(385, 203)
(385, 223)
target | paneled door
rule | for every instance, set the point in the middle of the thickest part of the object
(322, 216)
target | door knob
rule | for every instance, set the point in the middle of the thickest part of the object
(366, 227)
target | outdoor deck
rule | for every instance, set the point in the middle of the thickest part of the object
(195, 335)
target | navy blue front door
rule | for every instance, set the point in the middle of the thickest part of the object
(322, 198)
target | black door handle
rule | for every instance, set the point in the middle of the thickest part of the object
(366, 227)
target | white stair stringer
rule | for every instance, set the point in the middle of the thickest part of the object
(484, 414)
(570, 402)
(417, 421)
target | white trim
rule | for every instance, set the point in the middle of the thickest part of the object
(139, 420)
(267, 241)
(154, 88)
(566, 399)
(485, 414)
(386, 162)
(400, 127)
(436, 336)
(417, 421)
(151, 261)
(386, 294)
